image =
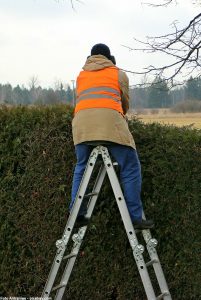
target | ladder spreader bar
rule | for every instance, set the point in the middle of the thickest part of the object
(90, 194)
(59, 286)
(69, 256)
(151, 262)
(162, 295)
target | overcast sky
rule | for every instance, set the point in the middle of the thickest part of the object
(50, 40)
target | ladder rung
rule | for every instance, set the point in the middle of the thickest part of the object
(59, 286)
(151, 262)
(162, 295)
(91, 194)
(69, 256)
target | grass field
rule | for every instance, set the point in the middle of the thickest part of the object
(165, 116)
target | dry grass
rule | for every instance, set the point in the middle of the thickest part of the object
(165, 116)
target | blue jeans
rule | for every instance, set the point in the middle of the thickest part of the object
(130, 174)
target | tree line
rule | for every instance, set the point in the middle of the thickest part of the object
(157, 95)
(35, 95)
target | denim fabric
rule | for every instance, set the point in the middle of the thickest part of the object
(130, 175)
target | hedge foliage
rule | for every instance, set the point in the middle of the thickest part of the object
(36, 168)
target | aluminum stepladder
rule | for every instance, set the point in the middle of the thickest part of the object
(107, 166)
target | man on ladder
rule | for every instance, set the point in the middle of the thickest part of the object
(101, 104)
(102, 101)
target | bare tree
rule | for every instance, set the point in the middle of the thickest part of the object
(33, 82)
(35, 90)
(182, 45)
(72, 3)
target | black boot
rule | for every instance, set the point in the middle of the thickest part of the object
(143, 224)
(82, 221)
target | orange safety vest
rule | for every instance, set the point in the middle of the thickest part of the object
(98, 89)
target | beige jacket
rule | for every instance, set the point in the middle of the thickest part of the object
(103, 124)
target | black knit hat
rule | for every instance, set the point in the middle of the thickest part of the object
(101, 49)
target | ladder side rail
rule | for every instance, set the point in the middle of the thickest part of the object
(81, 191)
(137, 249)
(70, 264)
(97, 187)
(61, 244)
(151, 244)
(81, 232)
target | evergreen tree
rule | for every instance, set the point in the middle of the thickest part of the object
(193, 88)
(159, 94)
(7, 94)
(69, 95)
(18, 95)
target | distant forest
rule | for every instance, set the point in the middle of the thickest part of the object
(158, 95)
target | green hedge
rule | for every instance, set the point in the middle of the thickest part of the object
(36, 168)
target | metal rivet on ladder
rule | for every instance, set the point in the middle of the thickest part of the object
(91, 164)
(130, 232)
(119, 198)
(109, 165)
(80, 197)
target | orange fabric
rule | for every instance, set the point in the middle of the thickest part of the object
(107, 77)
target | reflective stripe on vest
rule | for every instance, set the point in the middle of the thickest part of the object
(91, 94)
(102, 88)
(98, 89)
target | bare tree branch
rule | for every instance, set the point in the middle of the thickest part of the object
(72, 3)
(182, 45)
(164, 3)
